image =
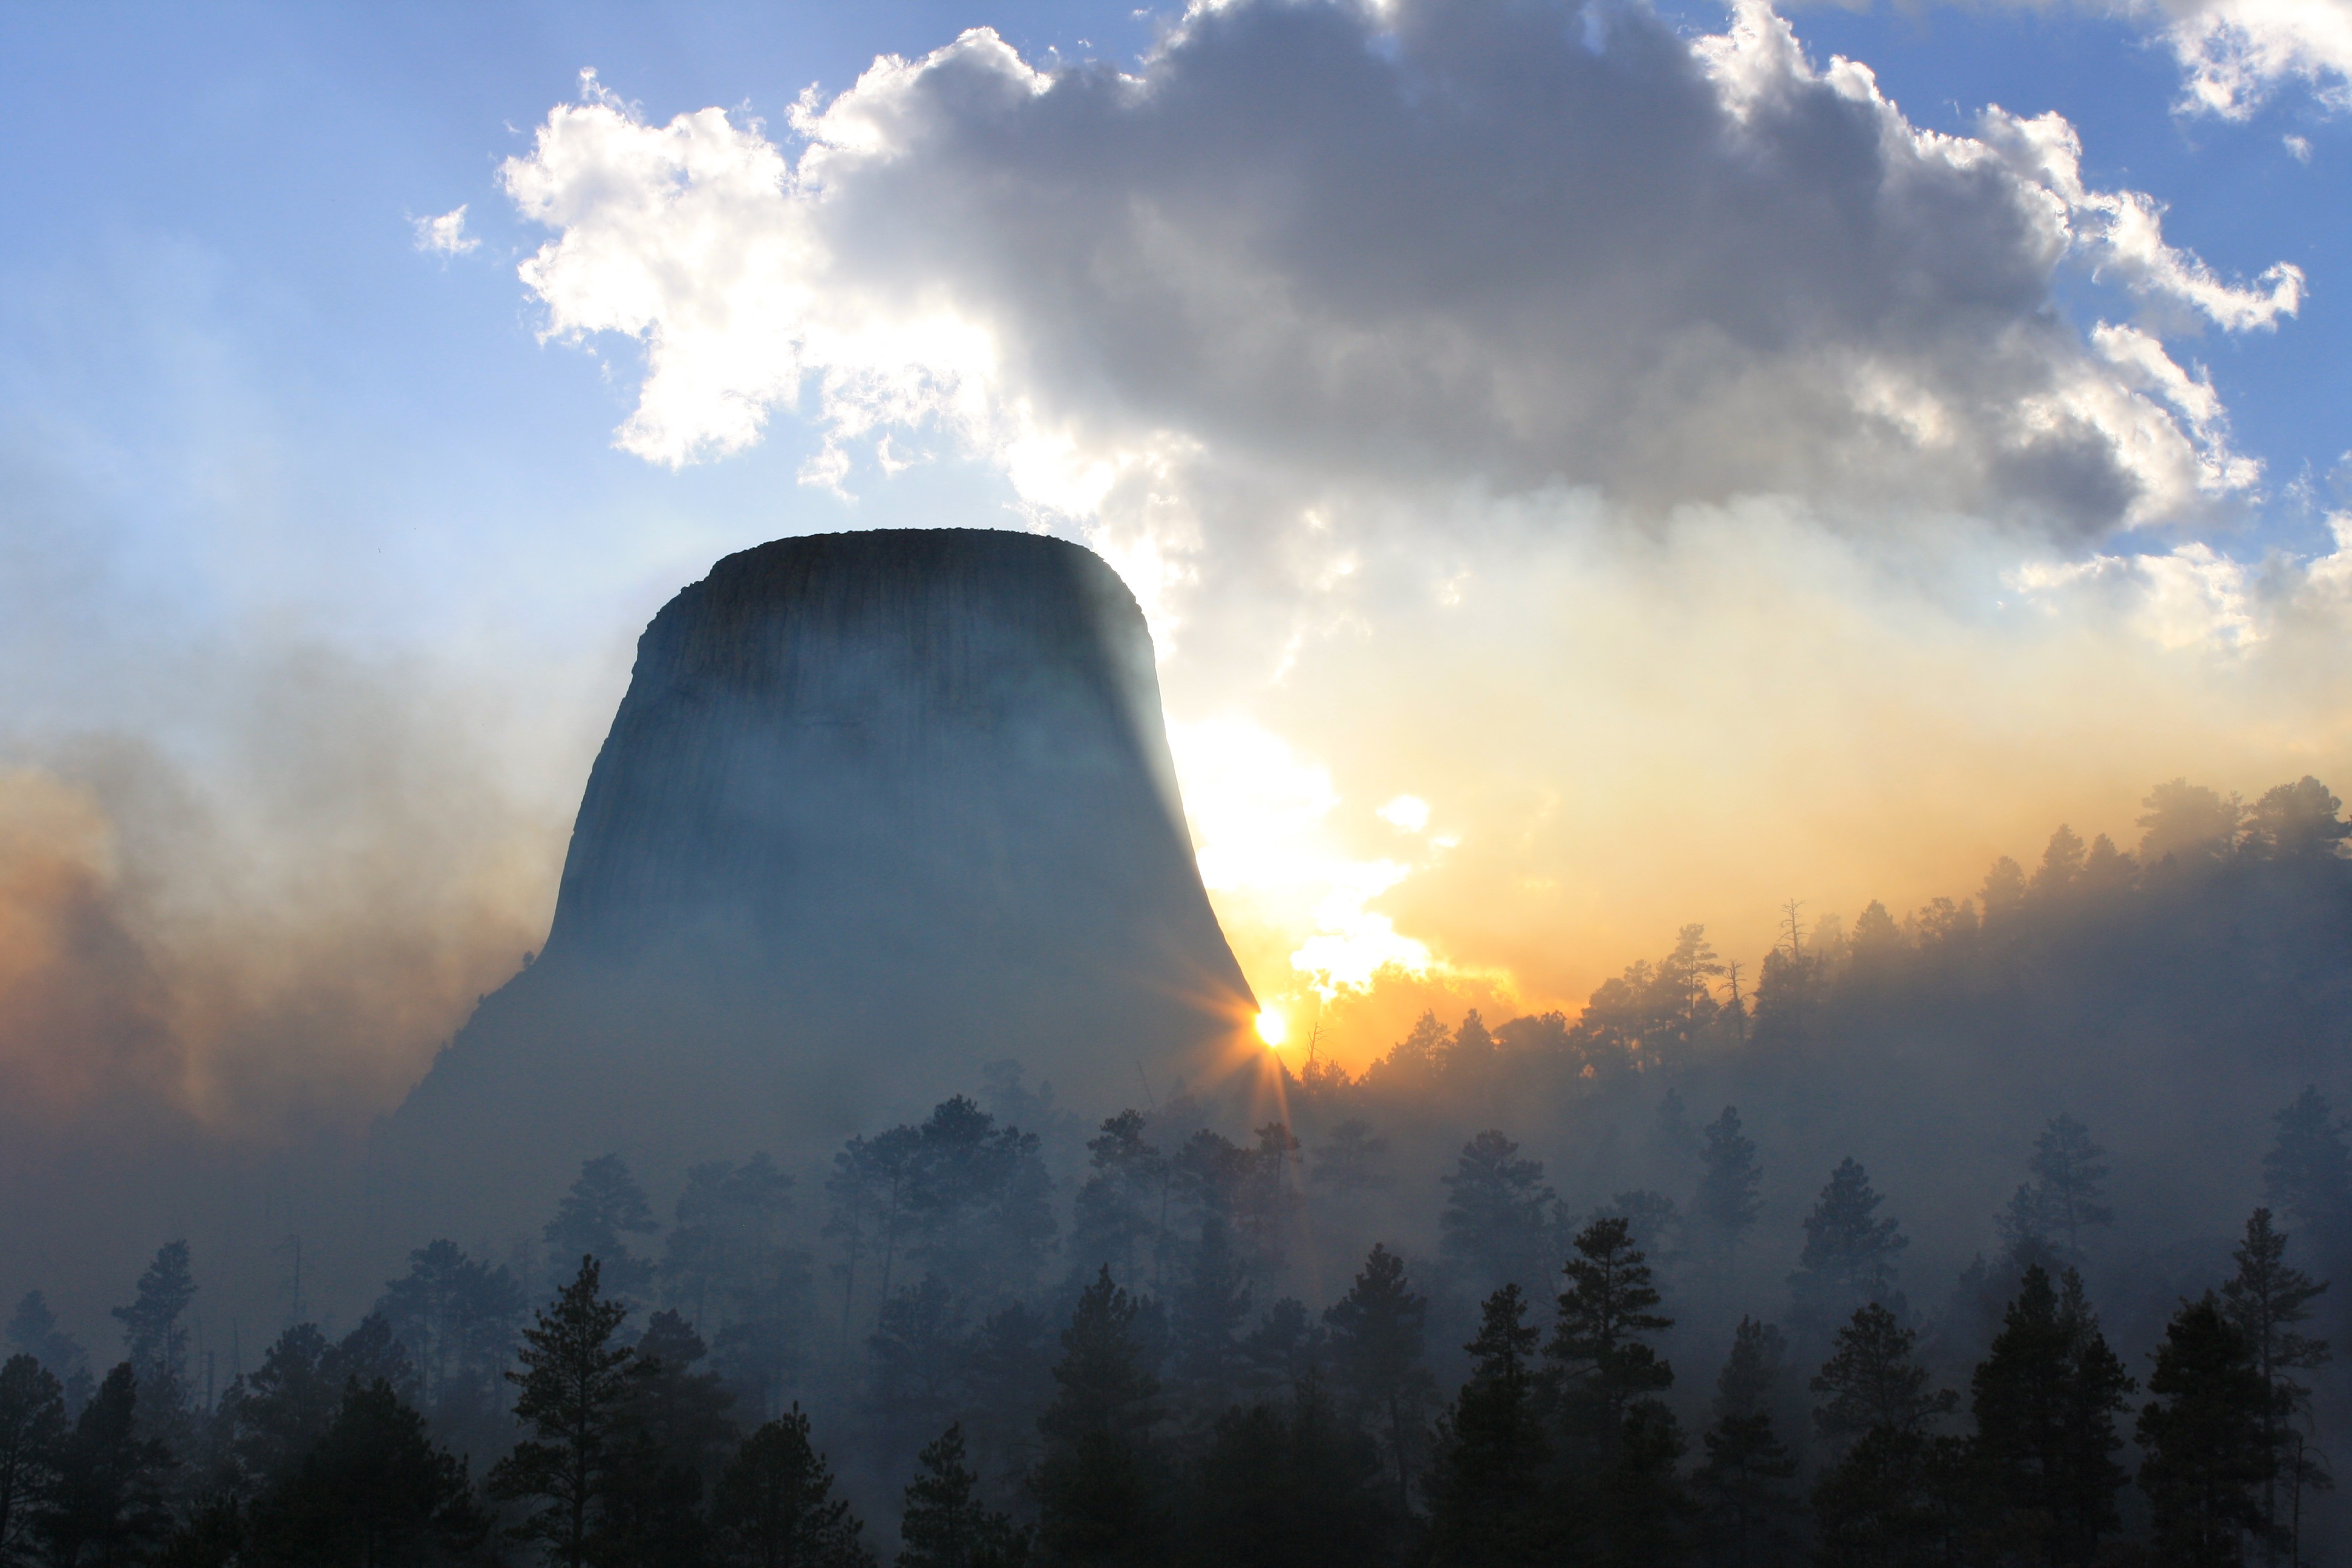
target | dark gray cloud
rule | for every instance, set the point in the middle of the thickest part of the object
(1325, 245)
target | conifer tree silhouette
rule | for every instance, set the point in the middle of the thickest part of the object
(2045, 1399)
(572, 1392)
(1743, 1485)
(32, 1431)
(1097, 1497)
(1850, 1253)
(1376, 1341)
(2264, 1301)
(1727, 1204)
(2205, 1438)
(1489, 1474)
(776, 1505)
(946, 1524)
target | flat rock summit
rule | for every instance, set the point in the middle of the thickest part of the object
(878, 809)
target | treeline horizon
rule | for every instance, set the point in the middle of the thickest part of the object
(2045, 1110)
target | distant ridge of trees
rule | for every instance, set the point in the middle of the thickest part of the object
(2208, 867)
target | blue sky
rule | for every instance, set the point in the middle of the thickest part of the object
(249, 432)
(211, 265)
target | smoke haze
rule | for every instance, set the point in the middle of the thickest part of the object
(267, 941)
(1585, 477)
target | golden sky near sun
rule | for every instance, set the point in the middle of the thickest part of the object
(1507, 795)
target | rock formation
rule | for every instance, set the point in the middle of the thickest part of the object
(878, 808)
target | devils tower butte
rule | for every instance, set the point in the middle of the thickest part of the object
(877, 808)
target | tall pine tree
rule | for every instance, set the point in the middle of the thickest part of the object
(1874, 1379)
(1621, 1444)
(776, 1505)
(155, 1333)
(604, 1209)
(2264, 1301)
(1888, 1501)
(2045, 1399)
(1212, 1303)
(1099, 1499)
(2070, 1176)
(1727, 1203)
(107, 1505)
(572, 1399)
(1600, 1342)
(1850, 1253)
(375, 1490)
(2205, 1438)
(1487, 1478)
(873, 1188)
(1748, 1516)
(2307, 1176)
(32, 1431)
(457, 1317)
(1116, 1222)
(676, 1433)
(946, 1524)
(1378, 1333)
(1497, 1219)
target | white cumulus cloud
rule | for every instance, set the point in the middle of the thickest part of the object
(1502, 244)
(444, 236)
(2234, 54)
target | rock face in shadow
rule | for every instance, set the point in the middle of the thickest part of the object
(878, 809)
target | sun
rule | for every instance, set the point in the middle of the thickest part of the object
(1271, 1027)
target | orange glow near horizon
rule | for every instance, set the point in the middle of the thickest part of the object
(1500, 795)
